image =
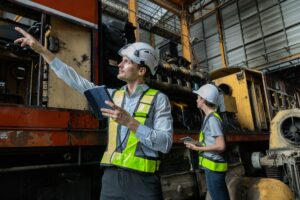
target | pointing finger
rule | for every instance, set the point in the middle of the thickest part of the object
(20, 30)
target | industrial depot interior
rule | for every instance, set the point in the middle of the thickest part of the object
(50, 142)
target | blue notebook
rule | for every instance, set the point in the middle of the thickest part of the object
(96, 97)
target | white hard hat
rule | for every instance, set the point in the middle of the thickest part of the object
(141, 53)
(209, 92)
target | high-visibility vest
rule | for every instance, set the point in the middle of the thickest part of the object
(127, 157)
(209, 163)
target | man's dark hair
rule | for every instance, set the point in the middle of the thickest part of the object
(148, 71)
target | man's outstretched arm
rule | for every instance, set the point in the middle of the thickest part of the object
(29, 40)
(62, 70)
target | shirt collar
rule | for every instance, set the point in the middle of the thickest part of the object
(141, 88)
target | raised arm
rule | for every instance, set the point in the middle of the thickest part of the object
(62, 70)
(29, 40)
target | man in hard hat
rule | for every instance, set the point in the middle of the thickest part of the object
(140, 123)
(212, 143)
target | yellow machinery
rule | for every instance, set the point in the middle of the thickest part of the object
(246, 86)
(264, 104)
(258, 98)
(285, 130)
(284, 152)
(258, 189)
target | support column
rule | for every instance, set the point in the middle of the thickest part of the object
(152, 39)
(132, 17)
(221, 40)
(185, 36)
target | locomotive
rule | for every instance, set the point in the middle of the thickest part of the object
(51, 144)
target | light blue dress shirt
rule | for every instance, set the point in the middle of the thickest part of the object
(156, 135)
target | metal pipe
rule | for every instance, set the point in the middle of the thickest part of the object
(266, 162)
(242, 32)
(79, 156)
(39, 89)
(119, 8)
(262, 32)
(30, 84)
(284, 28)
(49, 166)
(35, 129)
(278, 62)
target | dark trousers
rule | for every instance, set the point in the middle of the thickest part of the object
(120, 184)
(216, 185)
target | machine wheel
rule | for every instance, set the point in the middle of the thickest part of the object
(285, 129)
(290, 129)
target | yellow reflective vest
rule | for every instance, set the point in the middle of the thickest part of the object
(127, 157)
(208, 163)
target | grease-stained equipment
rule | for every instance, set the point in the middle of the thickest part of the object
(284, 152)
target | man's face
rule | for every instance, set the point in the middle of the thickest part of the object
(129, 71)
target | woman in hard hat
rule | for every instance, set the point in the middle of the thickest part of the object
(212, 143)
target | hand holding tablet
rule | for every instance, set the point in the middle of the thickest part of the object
(96, 97)
(191, 140)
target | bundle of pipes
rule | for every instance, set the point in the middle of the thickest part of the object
(175, 75)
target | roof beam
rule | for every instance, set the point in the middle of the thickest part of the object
(168, 6)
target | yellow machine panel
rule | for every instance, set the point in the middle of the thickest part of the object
(238, 84)
(246, 88)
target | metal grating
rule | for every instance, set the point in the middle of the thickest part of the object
(151, 17)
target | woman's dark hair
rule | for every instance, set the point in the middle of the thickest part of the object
(209, 104)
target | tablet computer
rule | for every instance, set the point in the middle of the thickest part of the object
(191, 140)
(96, 97)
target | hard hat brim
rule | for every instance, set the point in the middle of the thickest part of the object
(127, 51)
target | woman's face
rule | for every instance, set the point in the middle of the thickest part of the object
(200, 102)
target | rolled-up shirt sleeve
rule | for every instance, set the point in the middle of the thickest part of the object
(160, 137)
(70, 76)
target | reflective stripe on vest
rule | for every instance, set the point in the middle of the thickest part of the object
(213, 165)
(127, 157)
(208, 163)
(113, 130)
